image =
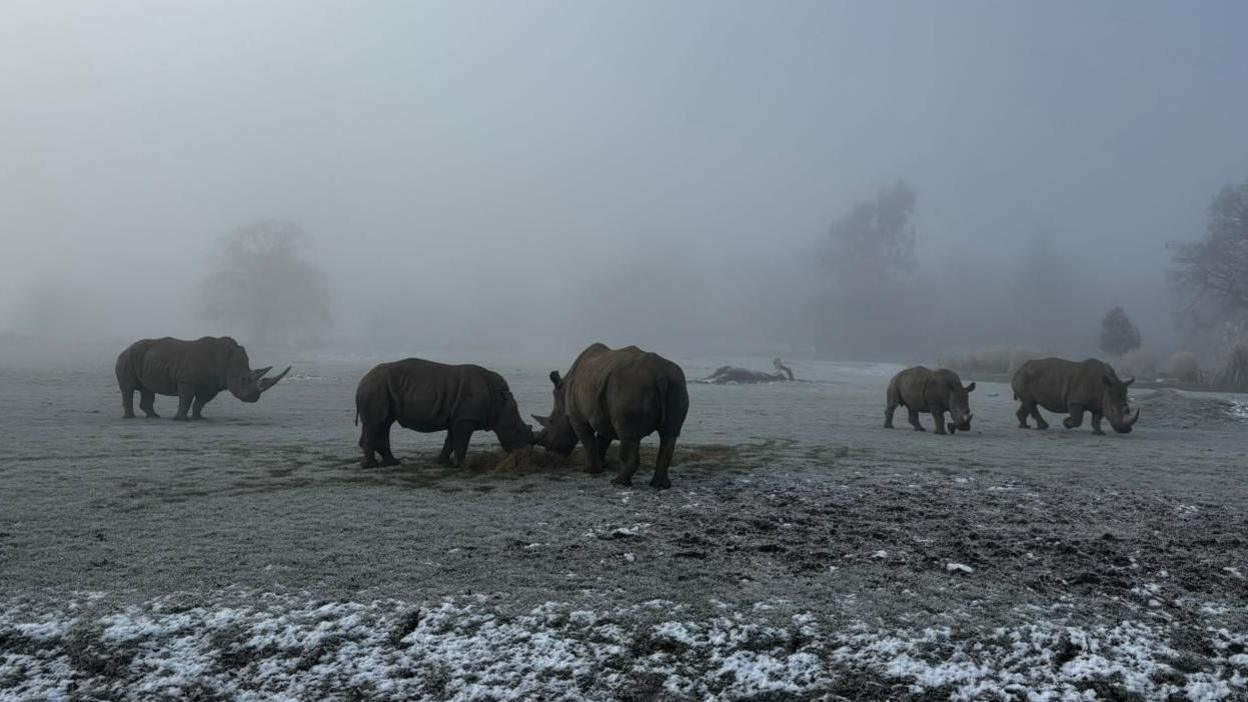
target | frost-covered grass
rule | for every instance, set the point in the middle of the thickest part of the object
(256, 646)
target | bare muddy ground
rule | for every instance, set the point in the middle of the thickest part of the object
(804, 552)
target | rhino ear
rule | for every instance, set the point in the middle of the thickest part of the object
(554, 378)
(544, 421)
(971, 387)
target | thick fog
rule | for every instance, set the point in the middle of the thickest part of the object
(535, 176)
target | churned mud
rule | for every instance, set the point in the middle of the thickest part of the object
(804, 552)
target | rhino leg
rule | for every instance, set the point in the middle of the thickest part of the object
(368, 444)
(186, 393)
(667, 447)
(383, 447)
(586, 436)
(1022, 415)
(127, 402)
(147, 403)
(630, 457)
(1096, 424)
(938, 416)
(1076, 417)
(461, 432)
(444, 458)
(1030, 409)
(604, 443)
(889, 410)
(914, 419)
(197, 408)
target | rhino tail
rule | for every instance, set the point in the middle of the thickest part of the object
(357, 418)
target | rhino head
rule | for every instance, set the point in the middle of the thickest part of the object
(247, 384)
(511, 431)
(1114, 404)
(557, 434)
(959, 404)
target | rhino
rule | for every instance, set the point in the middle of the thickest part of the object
(623, 394)
(194, 371)
(1073, 387)
(920, 389)
(426, 396)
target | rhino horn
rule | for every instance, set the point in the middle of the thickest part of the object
(1131, 422)
(259, 372)
(266, 383)
(1128, 381)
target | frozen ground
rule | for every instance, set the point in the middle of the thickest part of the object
(803, 553)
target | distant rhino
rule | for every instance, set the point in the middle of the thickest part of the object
(742, 376)
(426, 396)
(195, 371)
(623, 394)
(1059, 385)
(937, 391)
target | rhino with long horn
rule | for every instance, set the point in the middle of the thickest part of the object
(194, 371)
(1076, 388)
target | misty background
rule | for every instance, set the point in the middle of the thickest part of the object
(531, 177)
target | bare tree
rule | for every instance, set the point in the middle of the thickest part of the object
(263, 285)
(1118, 334)
(1211, 274)
(865, 252)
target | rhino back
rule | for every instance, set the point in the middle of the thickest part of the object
(911, 387)
(429, 396)
(159, 365)
(1052, 383)
(629, 392)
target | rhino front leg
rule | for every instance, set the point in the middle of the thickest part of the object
(197, 408)
(938, 416)
(1096, 424)
(147, 403)
(1076, 417)
(630, 457)
(914, 420)
(186, 393)
(667, 448)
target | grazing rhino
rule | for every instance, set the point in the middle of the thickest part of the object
(426, 396)
(1059, 386)
(620, 394)
(195, 371)
(937, 391)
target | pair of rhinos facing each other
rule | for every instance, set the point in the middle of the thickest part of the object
(608, 394)
(1061, 386)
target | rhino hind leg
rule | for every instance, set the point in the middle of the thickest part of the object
(372, 437)
(630, 458)
(461, 433)
(1022, 415)
(889, 411)
(147, 403)
(667, 448)
(127, 402)
(444, 457)
(383, 447)
(914, 419)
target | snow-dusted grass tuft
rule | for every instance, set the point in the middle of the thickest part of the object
(259, 646)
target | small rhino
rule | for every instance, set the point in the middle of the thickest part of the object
(426, 396)
(920, 389)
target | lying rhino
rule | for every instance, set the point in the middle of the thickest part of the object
(195, 371)
(937, 391)
(426, 396)
(1059, 385)
(620, 394)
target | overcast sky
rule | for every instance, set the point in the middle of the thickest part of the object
(470, 169)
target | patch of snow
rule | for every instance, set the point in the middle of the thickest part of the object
(958, 568)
